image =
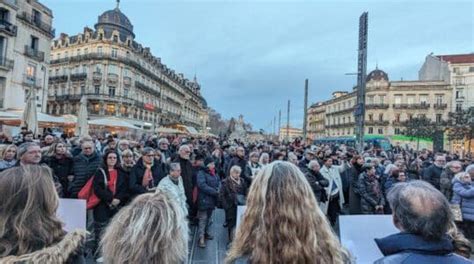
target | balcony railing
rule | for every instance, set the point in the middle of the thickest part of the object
(440, 106)
(411, 106)
(6, 63)
(7, 27)
(376, 106)
(349, 124)
(343, 111)
(78, 77)
(112, 78)
(38, 23)
(147, 89)
(377, 123)
(34, 53)
(58, 79)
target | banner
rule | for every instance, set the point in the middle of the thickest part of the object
(357, 233)
(72, 212)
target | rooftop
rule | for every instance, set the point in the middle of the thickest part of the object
(457, 58)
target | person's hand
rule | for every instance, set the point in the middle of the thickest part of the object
(70, 178)
(115, 202)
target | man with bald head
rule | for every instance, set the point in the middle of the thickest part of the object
(423, 216)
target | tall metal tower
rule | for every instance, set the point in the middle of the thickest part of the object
(359, 112)
(305, 124)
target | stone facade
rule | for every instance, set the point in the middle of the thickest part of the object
(25, 37)
(456, 70)
(120, 78)
(293, 133)
(388, 103)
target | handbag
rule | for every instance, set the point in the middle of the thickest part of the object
(87, 192)
(457, 213)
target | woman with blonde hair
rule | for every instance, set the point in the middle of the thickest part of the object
(30, 232)
(283, 222)
(8, 156)
(151, 229)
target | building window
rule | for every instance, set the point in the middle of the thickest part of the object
(397, 131)
(371, 130)
(110, 109)
(439, 118)
(458, 107)
(439, 99)
(34, 45)
(382, 99)
(114, 53)
(31, 72)
(380, 117)
(125, 92)
(410, 116)
(83, 89)
(78, 52)
(111, 90)
(459, 94)
(97, 89)
(398, 99)
(380, 131)
(397, 117)
(424, 99)
(99, 50)
(371, 117)
(410, 99)
(471, 69)
(86, 51)
(115, 39)
(370, 99)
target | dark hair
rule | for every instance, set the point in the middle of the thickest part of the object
(420, 209)
(367, 167)
(106, 155)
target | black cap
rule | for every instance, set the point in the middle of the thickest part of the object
(208, 160)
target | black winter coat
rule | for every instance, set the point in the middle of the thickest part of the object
(136, 177)
(354, 196)
(432, 174)
(84, 167)
(228, 195)
(370, 193)
(318, 183)
(187, 176)
(237, 161)
(61, 169)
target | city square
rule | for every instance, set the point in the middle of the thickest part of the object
(236, 132)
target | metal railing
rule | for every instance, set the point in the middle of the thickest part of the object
(37, 22)
(58, 78)
(377, 106)
(7, 27)
(6, 63)
(78, 77)
(34, 53)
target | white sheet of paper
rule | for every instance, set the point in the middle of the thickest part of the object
(73, 213)
(358, 232)
(240, 213)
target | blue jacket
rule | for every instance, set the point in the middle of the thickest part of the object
(463, 194)
(405, 248)
(208, 187)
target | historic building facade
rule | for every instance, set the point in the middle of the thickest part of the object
(292, 132)
(120, 78)
(25, 38)
(388, 103)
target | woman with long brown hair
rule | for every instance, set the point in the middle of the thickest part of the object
(283, 222)
(60, 161)
(30, 232)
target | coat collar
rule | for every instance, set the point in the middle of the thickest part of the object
(400, 242)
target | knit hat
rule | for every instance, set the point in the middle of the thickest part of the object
(208, 160)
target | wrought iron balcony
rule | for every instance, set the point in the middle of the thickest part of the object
(377, 123)
(78, 77)
(440, 106)
(34, 53)
(146, 89)
(6, 63)
(376, 106)
(37, 22)
(58, 79)
(8, 28)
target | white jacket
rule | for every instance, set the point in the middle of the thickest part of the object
(177, 191)
(333, 175)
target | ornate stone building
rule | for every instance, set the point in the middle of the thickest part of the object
(388, 103)
(25, 37)
(120, 78)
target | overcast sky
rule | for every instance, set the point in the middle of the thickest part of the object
(252, 56)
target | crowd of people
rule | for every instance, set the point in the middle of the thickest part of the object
(146, 193)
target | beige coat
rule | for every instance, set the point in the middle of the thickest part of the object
(331, 174)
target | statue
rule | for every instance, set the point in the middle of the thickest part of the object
(237, 129)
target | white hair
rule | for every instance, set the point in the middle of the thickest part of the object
(470, 168)
(235, 169)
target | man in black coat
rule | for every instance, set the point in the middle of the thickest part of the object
(84, 166)
(432, 174)
(238, 160)
(317, 181)
(137, 184)
(184, 153)
(309, 155)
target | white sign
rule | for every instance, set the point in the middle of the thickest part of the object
(72, 212)
(240, 213)
(358, 232)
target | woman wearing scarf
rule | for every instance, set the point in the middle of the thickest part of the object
(208, 190)
(126, 165)
(372, 200)
(145, 175)
(232, 194)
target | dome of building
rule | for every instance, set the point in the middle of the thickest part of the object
(377, 75)
(115, 20)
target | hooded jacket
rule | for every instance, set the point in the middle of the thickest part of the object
(463, 194)
(68, 250)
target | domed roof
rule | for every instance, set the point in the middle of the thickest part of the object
(377, 75)
(115, 20)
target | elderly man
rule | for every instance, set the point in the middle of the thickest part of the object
(173, 184)
(432, 174)
(29, 154)
(317, 181)
(452, 168)
(84, 166)
(334, 190)
(423, 216)
(184, 153)
(238, 160)
(163, 145)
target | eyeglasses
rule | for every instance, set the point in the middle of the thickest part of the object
(150, 155)
(112, 157)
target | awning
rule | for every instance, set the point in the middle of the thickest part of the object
(191, 130)
(14, 118)
(112, 122)
(167, 130)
